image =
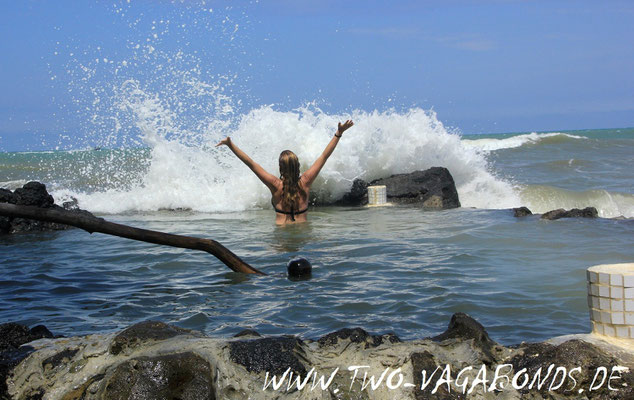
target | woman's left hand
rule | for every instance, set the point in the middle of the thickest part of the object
(226, 141)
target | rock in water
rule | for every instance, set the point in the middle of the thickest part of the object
(32, 194)
(432, 188)
(588, 212)
(299, 267)
(357, 195)
(521, 212)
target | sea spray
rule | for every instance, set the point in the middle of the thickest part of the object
(492, 144)
(209, 179)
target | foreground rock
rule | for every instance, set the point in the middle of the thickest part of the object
(433, 188)
(12, 337)
(31, 194)
(152, 360)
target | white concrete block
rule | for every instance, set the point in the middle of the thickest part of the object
(604, 303)
(629, 305)
(628, 293)
(616, 292)
(629, 318)
(617, 318)
(606, 318)
(623, 331)
(631, 332)
(592, 277)
(616, 279)
(604, 278)
(594, 289)
(609, 330)
(596, 315)
(595, 301)
(598, 328)
(628, 280)
(616, 305)
(604, 290)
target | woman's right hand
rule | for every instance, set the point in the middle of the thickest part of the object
(343, 127)
(226, 141)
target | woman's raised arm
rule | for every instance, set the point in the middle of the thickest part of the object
(309, 176)
(268, 179)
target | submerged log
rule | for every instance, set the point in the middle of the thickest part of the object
(94, 224)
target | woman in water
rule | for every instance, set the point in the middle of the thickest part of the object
(289, 191)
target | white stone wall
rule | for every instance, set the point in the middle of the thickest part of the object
(611, 299)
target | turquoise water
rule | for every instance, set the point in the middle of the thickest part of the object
(398, 269)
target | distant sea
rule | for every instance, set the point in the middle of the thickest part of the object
(392, 269)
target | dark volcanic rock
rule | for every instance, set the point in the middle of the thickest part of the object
(62, 357)
(145, 331)
(357, 195)
(273, 355)
(12, 336)
(247, 332)
(426, 361)
(463, 327)
(588, 212)
(5, 225)
(521, 212)
(184, 376)
(432, 188)
(31, 194)
(7, 196)
(357, 335)
(572, 354)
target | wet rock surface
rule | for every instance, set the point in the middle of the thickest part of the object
(274, 355)
(588, 212)
(521, 212)
(433, 188)
(569, 355)
(358, 194)
(145, 331)
(185, 376)
(32, 194)
(12, 337)
(160, 361)
(357, 335)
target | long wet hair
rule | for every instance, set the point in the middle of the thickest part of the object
(289, 174)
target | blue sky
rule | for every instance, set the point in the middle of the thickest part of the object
(483, 66)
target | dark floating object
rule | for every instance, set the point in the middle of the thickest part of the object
(299, 267)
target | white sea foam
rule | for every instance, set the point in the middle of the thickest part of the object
(175, 104)
(208, 179)
(490, 144)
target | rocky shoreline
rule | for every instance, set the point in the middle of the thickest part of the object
(33, 194)
(153, 360)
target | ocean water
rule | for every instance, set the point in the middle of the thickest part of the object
(392, 269)
(145, 113)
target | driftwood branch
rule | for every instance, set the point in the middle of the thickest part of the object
(94, 224)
